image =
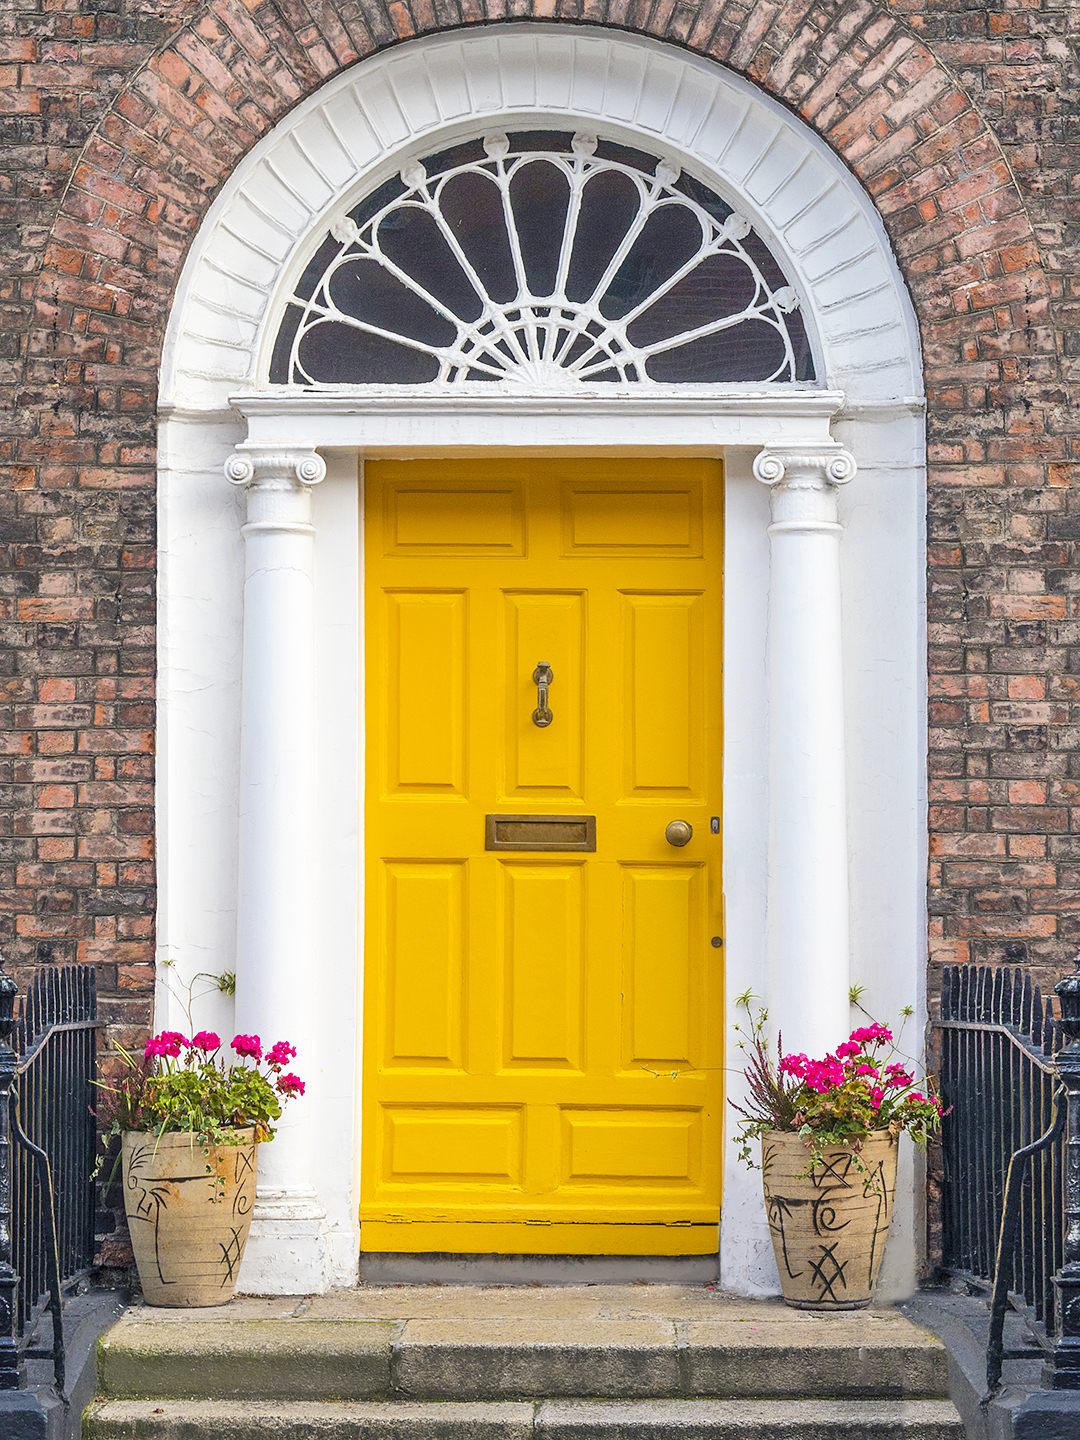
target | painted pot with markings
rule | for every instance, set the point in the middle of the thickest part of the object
(189, 1212)
(829, 1224)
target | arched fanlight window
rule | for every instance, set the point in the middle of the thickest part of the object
(546, 259)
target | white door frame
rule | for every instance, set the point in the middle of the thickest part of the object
(259, 784)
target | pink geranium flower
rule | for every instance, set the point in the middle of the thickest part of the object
(279, 1055)
(249, 1045)
(290, 1085)
(871, 1034)
(206, 1040)
(169, 1043)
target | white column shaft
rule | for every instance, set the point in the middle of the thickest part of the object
(276, 879)
(277, 804)
(808, 859)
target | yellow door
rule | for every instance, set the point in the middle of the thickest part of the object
(542, 1043)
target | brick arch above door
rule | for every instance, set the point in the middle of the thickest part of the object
(359, 129)
(879, 98)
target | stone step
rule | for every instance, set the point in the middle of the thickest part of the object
(543, 1420)
(748, 1352)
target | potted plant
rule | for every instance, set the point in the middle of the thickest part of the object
(829, 1131)
(190, 1122)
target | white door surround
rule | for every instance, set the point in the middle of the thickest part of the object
(259, 780)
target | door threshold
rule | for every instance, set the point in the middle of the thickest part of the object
(387, 1268)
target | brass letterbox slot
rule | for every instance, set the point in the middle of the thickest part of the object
(540, 832)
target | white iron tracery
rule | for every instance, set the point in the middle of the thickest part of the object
(515, 273)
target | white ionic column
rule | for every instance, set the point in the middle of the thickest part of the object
(275, 959)
(808, 859)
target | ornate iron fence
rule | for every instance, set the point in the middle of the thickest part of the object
(47, 1146)
(1011, 1149)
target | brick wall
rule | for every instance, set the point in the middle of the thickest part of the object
(118, 122)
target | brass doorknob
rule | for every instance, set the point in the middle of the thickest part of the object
(678, 833)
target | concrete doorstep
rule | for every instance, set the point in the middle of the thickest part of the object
(597, 1361)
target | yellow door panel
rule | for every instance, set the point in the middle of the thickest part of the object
(623, 516)
(632, 1147)
(543, 963)
(664, 982)
(543, 1048)
(663, 662)
(543, 761)
(423, 939)
(440, 1145)
(467, 517)
(426, 636)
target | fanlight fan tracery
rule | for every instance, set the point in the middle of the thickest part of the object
(545, 259)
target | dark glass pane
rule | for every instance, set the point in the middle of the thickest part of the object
(609, 204)
(771, 273)
(626, 155)
(371, 204)
(316, 268)
(279, 361)
(804, 359)
(670, 237)
(411, 238)
(539, 198)
(336, 354)
(750, 351)
(581, 346)
(708, 199)
(721, 285)
(367, 291)
(472, 206)
(522, 141)
(470, 152)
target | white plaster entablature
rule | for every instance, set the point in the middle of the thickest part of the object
(361, 127)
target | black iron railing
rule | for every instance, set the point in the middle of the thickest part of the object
(1011, 1152)
(47, 1146)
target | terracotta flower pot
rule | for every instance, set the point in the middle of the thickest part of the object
(829, 1226)
(189, 1212)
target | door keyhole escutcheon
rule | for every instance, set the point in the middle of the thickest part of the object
(678, 833)
(542, 678)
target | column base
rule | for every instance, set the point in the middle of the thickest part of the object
(287, 1251)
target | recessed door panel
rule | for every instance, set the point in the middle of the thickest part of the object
(424, 907)
(426, 735)
(663, 659)
(544, 945)
(454, 520)
(633, 1147)
(448, 1145)
(613, 517)
(664, 955)
(543, 1053)
(549, 629)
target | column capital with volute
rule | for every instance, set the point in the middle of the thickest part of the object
(278, 482)
(274, 465)
(803, 480)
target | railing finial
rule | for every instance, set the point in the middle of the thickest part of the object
(1068, 992)
(8, 991)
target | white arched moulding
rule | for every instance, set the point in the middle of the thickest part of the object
(272, 561)
(368, 123)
